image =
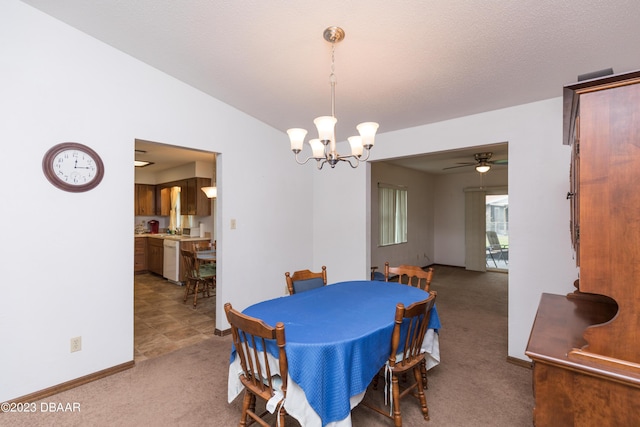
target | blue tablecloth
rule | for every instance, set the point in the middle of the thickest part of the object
(338, 337)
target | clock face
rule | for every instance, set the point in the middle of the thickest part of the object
(73, 167)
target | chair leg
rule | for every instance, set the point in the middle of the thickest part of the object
(281, 414)
(195, 293)
(423, 371)
(246, 404)
(395, 387)
(187, 286)
(421, 396)
(205, 290)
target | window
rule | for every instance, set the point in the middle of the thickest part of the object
(392, 203)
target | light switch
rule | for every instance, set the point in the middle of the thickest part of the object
(233, 223)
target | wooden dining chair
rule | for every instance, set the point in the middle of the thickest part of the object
(410, 326)
(409, 274)
(249, 338)
(305, 280)
(197, 278)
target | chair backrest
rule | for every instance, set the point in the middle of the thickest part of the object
(250, 338)
(188, 263)
(304, 280)
(494, 242)
(411, 324)
(410, 275)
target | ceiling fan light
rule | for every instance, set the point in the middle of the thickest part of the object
(483, 167)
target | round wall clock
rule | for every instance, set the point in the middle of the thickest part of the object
(73, 167)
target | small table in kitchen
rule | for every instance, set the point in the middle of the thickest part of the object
(207, 255)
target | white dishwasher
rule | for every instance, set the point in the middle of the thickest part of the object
(170, 267)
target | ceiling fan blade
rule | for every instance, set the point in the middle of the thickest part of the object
(500, 162)
(465, 165)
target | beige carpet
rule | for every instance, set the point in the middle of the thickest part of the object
(473, 386)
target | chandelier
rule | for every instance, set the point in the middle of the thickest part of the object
(323, 148)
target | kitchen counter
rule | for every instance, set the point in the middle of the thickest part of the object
(177, 237)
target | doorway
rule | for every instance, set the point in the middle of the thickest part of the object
(162, 321)
(497, 231)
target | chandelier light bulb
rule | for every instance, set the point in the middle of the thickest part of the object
(356, 145)
(317, 148)
(325, 126)
(368, 133)
(296, 135)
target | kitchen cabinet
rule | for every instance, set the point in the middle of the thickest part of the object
(193, 201)
(155, 257)
(584, 345)
(165, 201)
(140, 255)
(145, 200)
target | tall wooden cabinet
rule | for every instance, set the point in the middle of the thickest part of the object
(586, 345)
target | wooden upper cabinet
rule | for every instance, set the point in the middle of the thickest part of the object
(145, 200)
(165, 201)
(187, 206)
(193, 201)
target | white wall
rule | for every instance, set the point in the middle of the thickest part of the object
(67, 267)
(540, 256)
(419, 248)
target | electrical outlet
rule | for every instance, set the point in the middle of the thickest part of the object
(76, 344)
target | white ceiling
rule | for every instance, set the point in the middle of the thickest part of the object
(163, 156)
(401, 64)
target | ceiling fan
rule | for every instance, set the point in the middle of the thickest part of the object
(482, 163)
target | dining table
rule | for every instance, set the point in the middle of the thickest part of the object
(337, 339)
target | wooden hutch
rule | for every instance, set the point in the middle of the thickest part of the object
(585, 346)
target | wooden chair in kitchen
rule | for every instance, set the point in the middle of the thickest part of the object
(250, 337)
(410, 275)
(305, 280)
(197, 278)
(410, 325)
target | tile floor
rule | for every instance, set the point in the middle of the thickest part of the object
(163, 322)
